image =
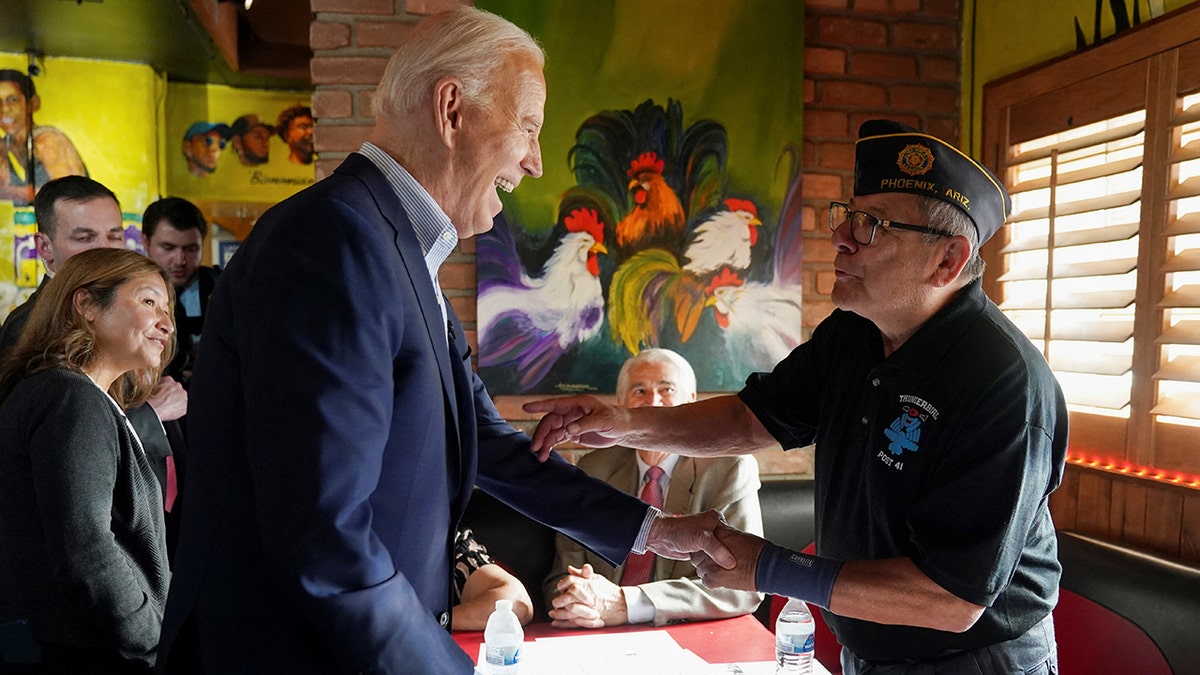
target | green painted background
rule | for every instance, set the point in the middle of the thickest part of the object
(739, 62)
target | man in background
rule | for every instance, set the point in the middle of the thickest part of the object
(295, 127)
(203, 143)
(583, 590)
(54, 155)
(174, 230)
(251, 139)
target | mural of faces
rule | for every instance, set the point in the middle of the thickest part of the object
(252, 140)
(203, 144)
(295, 127)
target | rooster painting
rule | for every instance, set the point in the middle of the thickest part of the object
(761, 319)
(530, 322)
(656, 216)
(683, 263)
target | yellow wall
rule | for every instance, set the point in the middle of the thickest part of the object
(1000, 38)
(109, 110)
(127, 124)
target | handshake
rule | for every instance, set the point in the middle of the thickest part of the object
(724, 557)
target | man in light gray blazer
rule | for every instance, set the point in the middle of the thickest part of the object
(584, 591)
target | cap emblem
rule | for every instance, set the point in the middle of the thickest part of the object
(915, 160)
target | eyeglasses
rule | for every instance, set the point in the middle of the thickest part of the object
(863, 224)
(213, 140)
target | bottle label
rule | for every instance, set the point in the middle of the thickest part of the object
(795, 644)
(502, 656)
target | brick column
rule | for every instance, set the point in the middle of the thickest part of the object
(897, 59)
(352, 41)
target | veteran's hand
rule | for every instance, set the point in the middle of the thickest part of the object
(582, 419)
(745, 548)
(677, 537)
(587, 600)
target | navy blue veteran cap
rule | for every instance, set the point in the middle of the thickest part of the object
(893, 157)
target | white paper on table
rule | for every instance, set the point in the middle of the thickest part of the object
(646, 652)
(755, 668)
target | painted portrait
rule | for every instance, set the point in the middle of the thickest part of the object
(668, 214)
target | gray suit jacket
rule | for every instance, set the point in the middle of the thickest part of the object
(728, 484)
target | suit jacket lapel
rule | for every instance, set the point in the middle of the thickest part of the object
(683, 482)
(414, 264)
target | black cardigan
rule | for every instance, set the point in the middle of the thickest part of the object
(82, 546)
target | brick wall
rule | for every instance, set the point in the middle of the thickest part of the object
(862, 59)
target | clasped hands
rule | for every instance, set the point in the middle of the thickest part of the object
(723, 556)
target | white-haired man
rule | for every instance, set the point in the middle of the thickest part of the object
(336, 425)
(585, 591)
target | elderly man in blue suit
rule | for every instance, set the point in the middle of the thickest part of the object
(337, 425)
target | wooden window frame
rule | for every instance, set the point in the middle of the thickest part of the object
(1145, 67)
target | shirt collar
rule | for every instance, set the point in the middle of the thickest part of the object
(942, 329)
(667, 465)
(433, 228)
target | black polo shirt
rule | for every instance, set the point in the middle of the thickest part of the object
(944, 452)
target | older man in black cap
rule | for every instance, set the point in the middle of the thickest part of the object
(940, 432)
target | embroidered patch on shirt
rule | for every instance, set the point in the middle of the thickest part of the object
(904, 433)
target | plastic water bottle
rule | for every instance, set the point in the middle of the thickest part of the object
(502, 640)
(794, 642)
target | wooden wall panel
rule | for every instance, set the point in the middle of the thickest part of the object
(1138, 512)
(1164, 521)
(1092, 510)
(1064, 500)
(1189, 537)
(1133, 509)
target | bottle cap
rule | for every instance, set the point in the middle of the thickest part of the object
(504, 605)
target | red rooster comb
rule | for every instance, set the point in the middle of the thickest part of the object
(742, 205)
(647, 161)
(727, 277)
(585, 220)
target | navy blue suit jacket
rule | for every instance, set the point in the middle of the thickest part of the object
(335, 440)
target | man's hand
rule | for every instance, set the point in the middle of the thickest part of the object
(677, 537)
(169, 399)
(745, 548)
(587, 600)
(582, 419)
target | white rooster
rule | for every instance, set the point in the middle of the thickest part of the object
(530, 322)
(761, 321)
(724, 240)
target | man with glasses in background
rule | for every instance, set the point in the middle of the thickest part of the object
(940, 432)
(203, 143)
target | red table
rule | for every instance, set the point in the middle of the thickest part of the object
(740, 639)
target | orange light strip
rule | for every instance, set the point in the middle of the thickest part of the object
(1130, 469)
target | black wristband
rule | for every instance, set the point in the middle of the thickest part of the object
(797, 575)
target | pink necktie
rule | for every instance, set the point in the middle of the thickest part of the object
(172, 490)
(639, 567)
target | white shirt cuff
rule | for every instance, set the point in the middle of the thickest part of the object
(638, 607)
(639, 544)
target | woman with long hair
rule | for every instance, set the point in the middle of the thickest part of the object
(82, 548)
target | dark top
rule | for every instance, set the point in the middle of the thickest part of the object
(945, 452)
(186, 326)
(15, 322)
(81, 526)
